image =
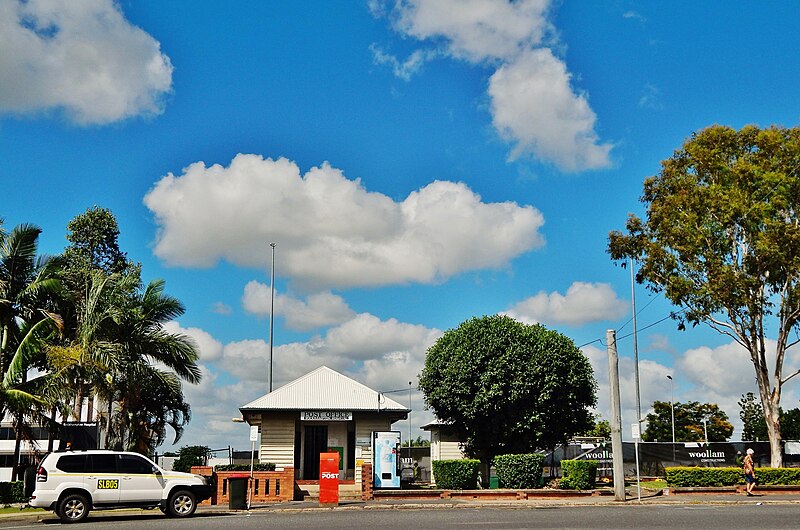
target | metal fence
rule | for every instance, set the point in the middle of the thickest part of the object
(655, 456)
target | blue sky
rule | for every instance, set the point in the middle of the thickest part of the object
(416, 164)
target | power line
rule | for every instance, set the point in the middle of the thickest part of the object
(639, 311)
(672, 314)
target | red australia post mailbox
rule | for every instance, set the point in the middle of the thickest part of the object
(328, 479)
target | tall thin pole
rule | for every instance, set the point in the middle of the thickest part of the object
(409, 419)
(672, 411)
(635, 349)
(271, 311)
(616, 416)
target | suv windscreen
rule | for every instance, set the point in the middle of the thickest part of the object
(72, 463)
(134, 465)
(103, 463)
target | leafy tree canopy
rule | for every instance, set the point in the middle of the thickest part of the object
(508, 387)
(722, 241)
(191, 455)
(688, 423)
(418, 442)
(600, 429)
(93, 241)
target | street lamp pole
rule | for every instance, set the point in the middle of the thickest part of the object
(271, 311)
(409, 419)
(705, 429)
(672, 411)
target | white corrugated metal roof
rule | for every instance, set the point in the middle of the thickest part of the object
(436, 422)
(324, 389)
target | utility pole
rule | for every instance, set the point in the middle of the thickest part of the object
(271, 311)
(616, 416)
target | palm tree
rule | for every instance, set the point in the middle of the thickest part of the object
(27, 286)
(26, 283)
(149, 398)
(155, 402)
(118, 344)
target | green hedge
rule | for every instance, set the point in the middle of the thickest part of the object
(519, 471)
(12, 492)
(778, 476)
(689, 477)
(246, 467)
(694, 477)
(578, 474)
(456, 474)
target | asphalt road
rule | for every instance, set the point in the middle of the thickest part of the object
(705, 516)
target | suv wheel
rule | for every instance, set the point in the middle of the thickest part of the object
(73, 508)
(182, 503)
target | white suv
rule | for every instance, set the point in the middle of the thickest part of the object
(74, 482)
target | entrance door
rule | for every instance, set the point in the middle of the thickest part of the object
(316, 442)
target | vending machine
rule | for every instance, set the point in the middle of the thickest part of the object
(386, 459)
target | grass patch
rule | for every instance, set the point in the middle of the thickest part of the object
(17, 509)
(657, 484)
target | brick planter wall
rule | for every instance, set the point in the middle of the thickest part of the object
(206, 471)
(267, 486)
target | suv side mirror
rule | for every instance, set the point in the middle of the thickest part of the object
(156, 470)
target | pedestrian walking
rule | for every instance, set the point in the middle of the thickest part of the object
(749, 473)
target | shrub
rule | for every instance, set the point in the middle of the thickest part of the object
(12, 492)
(519, 471)
(267, 466)
(694, 477)
(192, 455)
(456, 474)
(578, 474)
(778, 475)
(698, 477)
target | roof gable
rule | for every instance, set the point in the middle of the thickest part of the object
(324, 389)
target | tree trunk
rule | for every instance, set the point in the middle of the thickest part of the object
(76, 410)
(773, 420)
(3, 345)
(17, 446)
(51, 435)
(108, 425)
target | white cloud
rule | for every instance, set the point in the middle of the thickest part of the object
(349, 348)
(81, 57)
(210, 349)
(658, 342)
(221, 308)
(331, 231)
(651, 98)
(214, 403)
(583, 303)
(477, 30)
(402, 69)
(318, 310)
(533, 103)
(534, 106)
(634, 15)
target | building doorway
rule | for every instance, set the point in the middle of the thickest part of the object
(315, 442)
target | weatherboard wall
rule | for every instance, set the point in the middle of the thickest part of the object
(277, 440)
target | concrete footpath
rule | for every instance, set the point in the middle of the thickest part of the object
(28, 514)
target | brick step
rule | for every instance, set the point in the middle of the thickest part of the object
(346, 492)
